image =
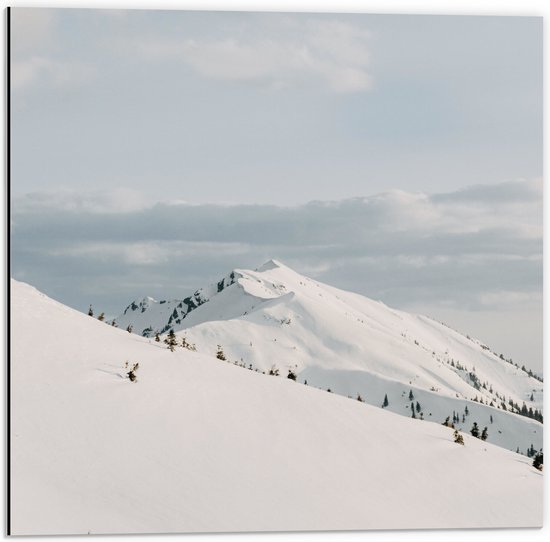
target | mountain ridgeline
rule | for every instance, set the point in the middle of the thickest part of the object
(276, 321)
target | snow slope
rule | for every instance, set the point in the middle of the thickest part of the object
(197, 444)
(275, 317)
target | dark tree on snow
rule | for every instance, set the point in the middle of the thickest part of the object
(386, 402)
(484, 434)
(411, 396)
(171, 341)
(132, 373)
(475, 430)
(458, 437)
(219, 354)
(90, 311)
(538, 461)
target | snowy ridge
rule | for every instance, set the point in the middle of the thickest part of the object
(149, 316)
(353, 345)
(200, 445)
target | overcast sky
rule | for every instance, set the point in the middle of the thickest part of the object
(396, 156)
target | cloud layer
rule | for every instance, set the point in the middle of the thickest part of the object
(482, 241)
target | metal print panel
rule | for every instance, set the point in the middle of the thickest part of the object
(274, 272)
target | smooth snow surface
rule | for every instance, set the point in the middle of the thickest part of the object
(275, 317)
(200, 445)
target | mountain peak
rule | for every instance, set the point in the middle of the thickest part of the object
(271, 264)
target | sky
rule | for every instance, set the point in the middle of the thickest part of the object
(396, 156)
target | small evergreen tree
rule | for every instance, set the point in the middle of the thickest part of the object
(157, 337)
(113, 323)
(484, 434)
(190, 346)
(274, 371)
(291, 375)
(129, 328)
(132, 373)
(459, 439)
(411, 396)
(90, 311)
(418, 409)
(491, 418)
(171, 341)
(413, 415)
(475, 430)
(359, 398)
(101, 317)
(538, 461)
(386, 402)
(219, 354)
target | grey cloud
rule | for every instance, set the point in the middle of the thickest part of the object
(441, 251)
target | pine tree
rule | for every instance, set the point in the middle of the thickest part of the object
(219, 354)
(538, 461)
(484, 434)
(171, 341)
(418, 409)
(291, 375)
(129, 328)
(90, 311)
(412, 410)
(491, 418)
(459, 439)
(466, 411)
(475, 430)
(132, 373)
(359, 398)
(157, 337)
(411, 396)
(386, 402)
(101, 317)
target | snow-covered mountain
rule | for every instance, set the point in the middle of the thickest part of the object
(275, 318)
(198, 444)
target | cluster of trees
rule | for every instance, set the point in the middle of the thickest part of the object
(523, 368)
(474, 431)
(524, 411)
(171, 342)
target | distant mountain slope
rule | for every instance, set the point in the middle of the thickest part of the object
(275, 317)
(197, 444)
